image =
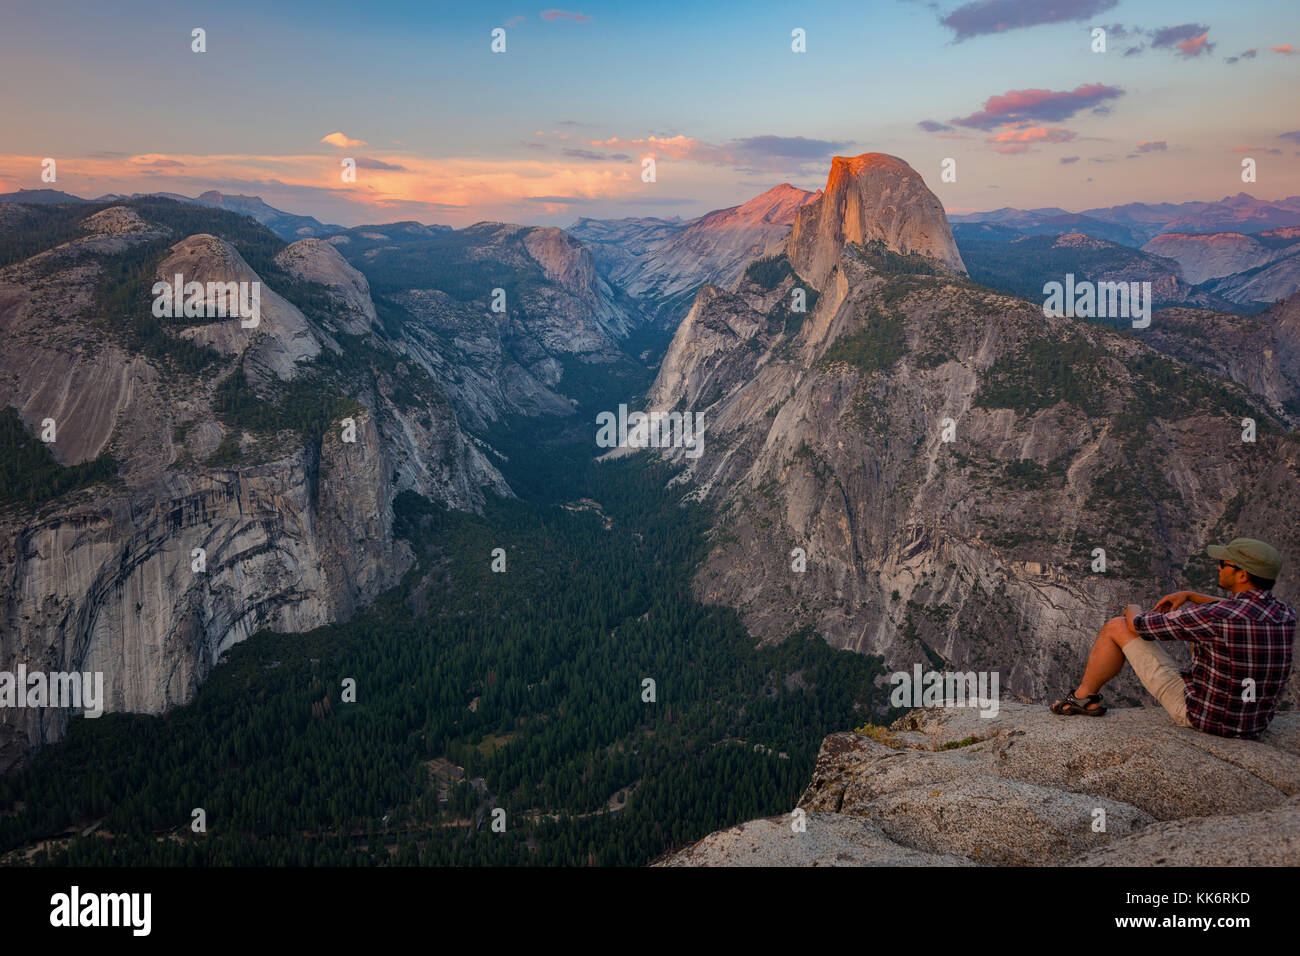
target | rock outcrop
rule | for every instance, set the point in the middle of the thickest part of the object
(1029, 788)
(316, 260)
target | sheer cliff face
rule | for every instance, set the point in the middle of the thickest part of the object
(294, 534)
(872, 196)
(825, 431)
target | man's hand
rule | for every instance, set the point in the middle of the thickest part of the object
(1172, 602)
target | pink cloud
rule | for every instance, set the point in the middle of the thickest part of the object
(1022, 106)
(1033, 134)
(1284, 48)
(1015, 140)
(1194, 46)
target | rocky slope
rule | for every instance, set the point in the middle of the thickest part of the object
(1262, 285)
(1261, 353)
(214, 450)
(946, 787)
(1211, 255)
(825, 432)
(662, 263)
(561, 317)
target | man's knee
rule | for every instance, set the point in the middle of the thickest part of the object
(1118, 630)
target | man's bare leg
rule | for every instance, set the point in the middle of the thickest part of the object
(1106, 659)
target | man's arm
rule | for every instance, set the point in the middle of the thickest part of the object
(1192, 622)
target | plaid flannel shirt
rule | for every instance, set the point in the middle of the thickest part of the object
(1247, 636)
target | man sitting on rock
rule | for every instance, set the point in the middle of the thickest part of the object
(1241, 649)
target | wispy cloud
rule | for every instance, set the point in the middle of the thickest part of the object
(364, 163)
(790, 147)
(753, 152)
(1284, 48)
(1154, 146)
(156, 162)
(552, 15)
(593, 156)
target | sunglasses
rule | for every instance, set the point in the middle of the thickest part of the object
(1223, 564)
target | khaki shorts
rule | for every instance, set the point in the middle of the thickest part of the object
(1159, 675)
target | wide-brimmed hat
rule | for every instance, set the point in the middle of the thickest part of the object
(1258, 558)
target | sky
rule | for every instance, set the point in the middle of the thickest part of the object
(445, 130)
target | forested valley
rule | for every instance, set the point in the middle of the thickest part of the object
(521, 690)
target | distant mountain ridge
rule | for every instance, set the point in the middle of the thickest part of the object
(288, 226)
(41, 197)
(1144, 221)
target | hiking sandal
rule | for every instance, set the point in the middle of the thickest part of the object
(1071, 706)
